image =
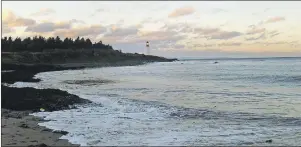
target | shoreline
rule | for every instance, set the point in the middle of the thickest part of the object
(21, 129)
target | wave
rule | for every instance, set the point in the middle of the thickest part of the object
(178, 112)
(261, 78)
(136, 122)
(88, 82)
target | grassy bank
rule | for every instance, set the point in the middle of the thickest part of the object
(92, 56)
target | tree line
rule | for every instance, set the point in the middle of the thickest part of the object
(39, 43)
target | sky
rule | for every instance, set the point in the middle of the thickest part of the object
(173, 28)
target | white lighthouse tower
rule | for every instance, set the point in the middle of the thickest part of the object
(147, 48)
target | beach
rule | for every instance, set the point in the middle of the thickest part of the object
(21, 129)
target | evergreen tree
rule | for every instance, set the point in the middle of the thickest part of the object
(88, 43)
(39, 43)
(58, 43)
(82, 43)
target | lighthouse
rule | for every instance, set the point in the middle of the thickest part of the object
(147, 48)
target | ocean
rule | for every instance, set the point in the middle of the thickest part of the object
(187, 102)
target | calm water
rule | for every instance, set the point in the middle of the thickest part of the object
(233, 102)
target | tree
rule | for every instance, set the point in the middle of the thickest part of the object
(58, 43)
(4, 45)
(39, 43)
(77, 42)
(10, 44)
(50, 43)
(88, 43)
(17, 44)
(26, 42)
(82, 43)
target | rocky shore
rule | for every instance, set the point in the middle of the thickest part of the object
(18, 127)
(21, 129)
(22, 99)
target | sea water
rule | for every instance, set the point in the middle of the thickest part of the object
(194, 102)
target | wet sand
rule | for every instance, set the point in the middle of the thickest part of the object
(21, 129)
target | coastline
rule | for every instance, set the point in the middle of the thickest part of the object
(21, 129)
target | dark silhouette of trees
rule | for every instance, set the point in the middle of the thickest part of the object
(39, 44)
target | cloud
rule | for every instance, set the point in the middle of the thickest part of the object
(43, 12)
(270, 20)
(77, 21)
(230, 44)
(294, 43)
(6, 29)
(225, 35)
(275, 19)
(122, 32)
(266, 10)
(7, 15)
(205, 45)
(11, 20)
(133, 38)
(206, 31)
(47, 27)
(52, 26)
(19, 22)
(273, 34)
(91, 31)
(159, 40)
(216, 33)
(218, 10)
(224, 24)
(181, 12)
(251, 26)
(97, 11)
(262, 36)
(167, 44)
(255, 31)
(179, 27)
(100, 10)
(179, 46)
(160, 36)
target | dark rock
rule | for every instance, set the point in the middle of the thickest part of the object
(174, 114)
(26, 72)
(24, 126)
(47, 130)
(215, 62)
(61, 132)
(39, 145)
(269, 141)
(33, 99)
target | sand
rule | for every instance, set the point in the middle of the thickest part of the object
(21, 129)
